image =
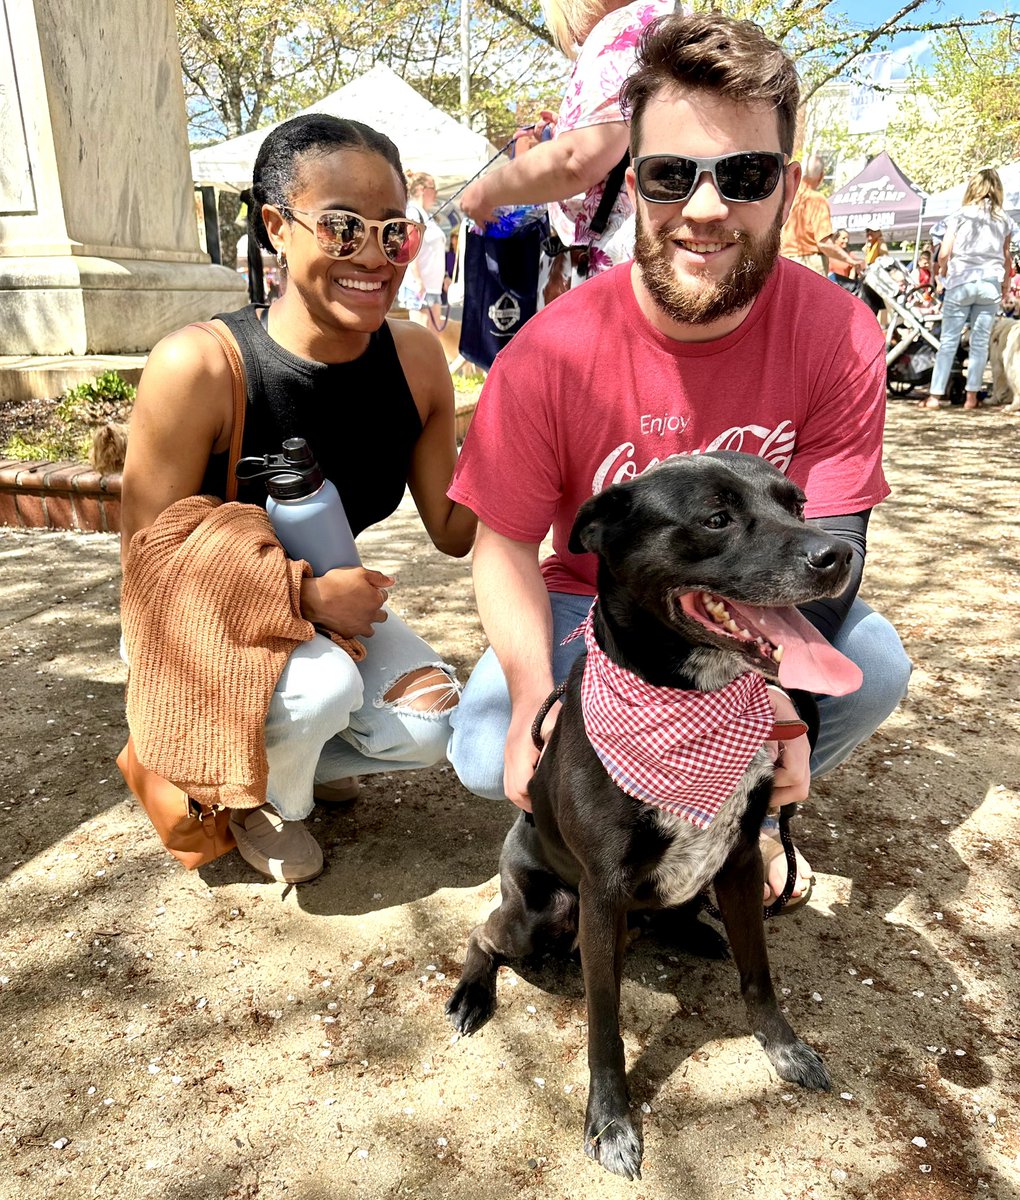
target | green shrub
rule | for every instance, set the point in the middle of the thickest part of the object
(67, 434)
(105, 398)
(468, 385)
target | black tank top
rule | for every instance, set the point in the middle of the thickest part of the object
(359, 418)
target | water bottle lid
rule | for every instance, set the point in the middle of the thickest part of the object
(291, 475)
(297, 452)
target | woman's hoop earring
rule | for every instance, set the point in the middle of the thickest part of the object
(281, 259)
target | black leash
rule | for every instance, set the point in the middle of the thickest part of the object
(786, 840)
(543, 712)
(777, 905)
(536, 726)
(499, 154)
(446, 317)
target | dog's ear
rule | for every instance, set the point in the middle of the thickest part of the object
(598, 518)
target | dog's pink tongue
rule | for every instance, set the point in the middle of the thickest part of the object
(809, 661)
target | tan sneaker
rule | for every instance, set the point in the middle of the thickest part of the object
(283, 850)
(338, 791)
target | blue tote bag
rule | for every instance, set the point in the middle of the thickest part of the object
(501, 273)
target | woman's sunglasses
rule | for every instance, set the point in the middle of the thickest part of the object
(341, 234)
(739, 178)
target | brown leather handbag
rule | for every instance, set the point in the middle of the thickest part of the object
(194, 834)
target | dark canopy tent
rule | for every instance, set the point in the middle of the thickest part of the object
(880, 197)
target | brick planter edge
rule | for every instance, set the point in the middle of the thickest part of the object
(73, 495)
(58, 495)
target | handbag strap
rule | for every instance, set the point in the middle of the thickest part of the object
(238, 395)
(613, 184)
(601, 218)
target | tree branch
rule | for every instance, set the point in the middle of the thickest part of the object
(508, 10)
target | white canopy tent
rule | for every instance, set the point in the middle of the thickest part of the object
(939, 205)
(428, 138)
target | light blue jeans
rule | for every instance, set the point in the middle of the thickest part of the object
(328, 719)
(482, 719)
(974, 304)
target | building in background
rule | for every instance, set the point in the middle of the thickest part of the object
(863, 108)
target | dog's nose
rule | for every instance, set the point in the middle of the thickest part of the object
(828, 558)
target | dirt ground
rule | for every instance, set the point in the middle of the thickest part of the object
(212, 1035)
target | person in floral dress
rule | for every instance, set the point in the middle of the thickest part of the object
(570, 170)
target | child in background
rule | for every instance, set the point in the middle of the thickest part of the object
(924, 269)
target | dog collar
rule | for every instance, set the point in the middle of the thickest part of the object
(682, 751)
(786, 731)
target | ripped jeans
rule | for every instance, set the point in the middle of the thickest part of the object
(328, 717)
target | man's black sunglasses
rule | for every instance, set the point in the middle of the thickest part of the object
(740, 178)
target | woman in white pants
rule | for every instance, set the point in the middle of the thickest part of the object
(976, 263)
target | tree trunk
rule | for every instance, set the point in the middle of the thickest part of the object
(228, 205)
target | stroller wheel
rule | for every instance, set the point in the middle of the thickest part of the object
(900, 387)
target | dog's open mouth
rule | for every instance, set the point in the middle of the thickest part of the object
(782, 638)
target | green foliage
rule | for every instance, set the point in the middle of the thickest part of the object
(961, 115)
(78, 411)
(467, 386)
(53, 446)
(245, 66)
(108, 397)
(967, 111)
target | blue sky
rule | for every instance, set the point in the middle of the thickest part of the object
(871, 12)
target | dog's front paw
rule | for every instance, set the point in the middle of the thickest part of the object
(615, 1143)
(796, 1062)
(471, 1005)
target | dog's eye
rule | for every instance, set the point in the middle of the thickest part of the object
(718, 520)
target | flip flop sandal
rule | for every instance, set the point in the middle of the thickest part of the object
(770, 849)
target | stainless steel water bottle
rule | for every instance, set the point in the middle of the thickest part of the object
(304, 507)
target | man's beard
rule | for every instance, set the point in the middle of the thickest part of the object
(705, 301)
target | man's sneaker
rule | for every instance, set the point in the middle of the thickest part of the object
(338, 791)
(283, 850)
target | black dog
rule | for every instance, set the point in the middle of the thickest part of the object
(684, 550)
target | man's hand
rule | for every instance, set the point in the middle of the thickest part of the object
(792, 780)
(520, 757)
(347, 600)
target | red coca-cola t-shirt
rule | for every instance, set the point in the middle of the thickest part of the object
(589, 394)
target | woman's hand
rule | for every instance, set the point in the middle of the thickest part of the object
(528, 136)
(475, 204)
(347, 600)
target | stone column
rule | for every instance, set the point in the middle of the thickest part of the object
(99, 249)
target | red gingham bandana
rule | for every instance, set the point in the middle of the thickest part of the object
(682, 751)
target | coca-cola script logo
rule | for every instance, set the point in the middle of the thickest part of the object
(774, 445)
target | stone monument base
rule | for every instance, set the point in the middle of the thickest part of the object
(47, 376)
(75, 304)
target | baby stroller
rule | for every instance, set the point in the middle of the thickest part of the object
(912, 334)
